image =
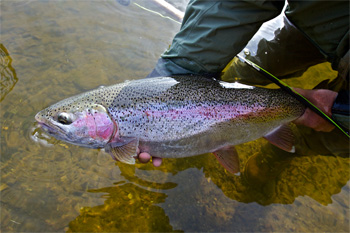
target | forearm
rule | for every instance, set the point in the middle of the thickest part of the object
(213, 32)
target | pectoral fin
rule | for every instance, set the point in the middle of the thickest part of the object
(228, 158)
(124, 150)
(282, 137)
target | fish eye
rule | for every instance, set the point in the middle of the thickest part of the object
(64, 118)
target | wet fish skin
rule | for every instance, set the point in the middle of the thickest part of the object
(169, 117)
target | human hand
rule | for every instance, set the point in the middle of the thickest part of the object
(144, 157)
(323, 99)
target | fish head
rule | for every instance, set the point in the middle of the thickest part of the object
(78, 121)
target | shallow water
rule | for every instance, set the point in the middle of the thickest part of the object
(54, 49)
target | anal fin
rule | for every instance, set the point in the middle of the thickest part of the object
(124, 150)
(228, 158)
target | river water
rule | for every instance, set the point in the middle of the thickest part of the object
(51, 50)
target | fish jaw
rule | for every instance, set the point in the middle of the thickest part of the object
(90, 128)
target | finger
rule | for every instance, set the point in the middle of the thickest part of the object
(144, 157)
(156, 161)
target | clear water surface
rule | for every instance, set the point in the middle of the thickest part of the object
(55, 49)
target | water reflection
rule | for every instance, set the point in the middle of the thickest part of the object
(7, 72)
(127, 208)
(318, 169)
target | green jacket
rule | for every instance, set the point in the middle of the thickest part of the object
(213, 32)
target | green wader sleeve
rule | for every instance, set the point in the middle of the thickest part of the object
(280, 48)
(213, 32)
(325, 23)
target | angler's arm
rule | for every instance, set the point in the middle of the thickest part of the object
(212, 33)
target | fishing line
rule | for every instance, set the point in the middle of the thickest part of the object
(157, 13)
(293, 93)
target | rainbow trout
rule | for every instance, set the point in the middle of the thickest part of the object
(171, 117)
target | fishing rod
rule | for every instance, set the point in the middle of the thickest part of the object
(293, 93)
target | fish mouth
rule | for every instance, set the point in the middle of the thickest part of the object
(64, 132)
(56, 131)
(48, 125)
(38, 118)
(41, 120)
(53, 130)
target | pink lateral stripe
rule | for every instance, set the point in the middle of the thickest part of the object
(223, 112)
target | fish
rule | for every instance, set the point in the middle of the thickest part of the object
(173, 117)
